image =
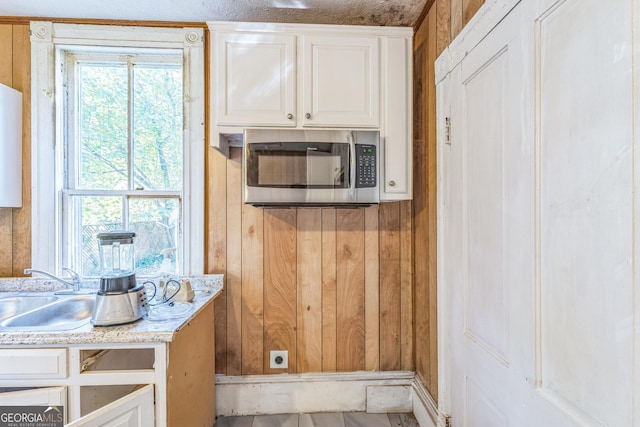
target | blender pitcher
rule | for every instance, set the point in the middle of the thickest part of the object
(116, 261)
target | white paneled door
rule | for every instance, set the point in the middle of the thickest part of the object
(539, 305)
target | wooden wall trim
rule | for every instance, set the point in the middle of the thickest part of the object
(423, 14)
(24, 20)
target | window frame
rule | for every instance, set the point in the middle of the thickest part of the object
(49, 41)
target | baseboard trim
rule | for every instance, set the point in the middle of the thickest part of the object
(315, 392)
(425, 408)
(377, 392)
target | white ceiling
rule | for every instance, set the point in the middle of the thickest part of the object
(356, 12)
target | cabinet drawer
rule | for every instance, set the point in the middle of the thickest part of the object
(38, 363)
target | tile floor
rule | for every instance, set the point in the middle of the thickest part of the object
(333, 419)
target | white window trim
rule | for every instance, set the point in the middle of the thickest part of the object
(47, 130)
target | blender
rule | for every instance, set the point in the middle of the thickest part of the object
(119, 298)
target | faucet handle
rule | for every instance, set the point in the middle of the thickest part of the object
(74, 276)
(72, 273)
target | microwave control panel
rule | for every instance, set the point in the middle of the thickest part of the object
(366, 174)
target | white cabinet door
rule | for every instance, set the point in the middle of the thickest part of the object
(340, 80)
(539, 229)
(48, 396)
(133, 410)
(397, 142)
(36, 396)
(31, 363)
(256, 79)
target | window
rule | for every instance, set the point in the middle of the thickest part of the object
(128, 144)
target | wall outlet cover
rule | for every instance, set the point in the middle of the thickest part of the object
(279, 359)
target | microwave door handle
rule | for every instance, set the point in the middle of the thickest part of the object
(352, 169)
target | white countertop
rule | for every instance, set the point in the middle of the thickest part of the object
(206, 288)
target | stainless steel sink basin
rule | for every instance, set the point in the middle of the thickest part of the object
(55, 314)
(14, 305)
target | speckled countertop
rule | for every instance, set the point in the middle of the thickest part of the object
(206, 288)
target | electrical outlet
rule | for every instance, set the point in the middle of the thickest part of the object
(279, 359)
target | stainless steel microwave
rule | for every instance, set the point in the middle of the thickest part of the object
(291, 167)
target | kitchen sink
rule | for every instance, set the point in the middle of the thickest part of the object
(14, 305)
(45, 313)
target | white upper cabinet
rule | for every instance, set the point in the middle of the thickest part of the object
(316, 76)
(259, 82)
(256, 79)
(396, 182)
(340, 81)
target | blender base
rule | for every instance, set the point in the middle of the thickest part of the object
(119, 308)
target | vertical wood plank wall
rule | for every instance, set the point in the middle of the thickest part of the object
(15, 223)
(332, 286)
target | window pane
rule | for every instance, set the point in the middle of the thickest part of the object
(103, 127)
(97, 214)
(157, 127)
(156, 224)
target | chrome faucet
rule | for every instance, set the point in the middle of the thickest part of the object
(75, 283)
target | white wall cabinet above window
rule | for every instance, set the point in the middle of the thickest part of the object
(316, 76)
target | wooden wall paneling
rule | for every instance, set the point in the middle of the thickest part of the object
(216, 242)
(443, 26)
(422, 64)
(6, 214)
(21, 221)
(350, 290)
(234, 263)
(389, 286)
(432, 208)
(6, 54)
(252, 290)
(469, 8)
(372, 288)
(280, 286)
(329, 291)
(419, 37)
(309, 290)
(457, 10)
(406, 286)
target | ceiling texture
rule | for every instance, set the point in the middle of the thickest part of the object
(403, 13)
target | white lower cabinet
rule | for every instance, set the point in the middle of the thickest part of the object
(103, 385)
(133, 410)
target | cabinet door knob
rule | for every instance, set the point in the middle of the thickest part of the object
(308, 115)
(392, 183)
(289, 116)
